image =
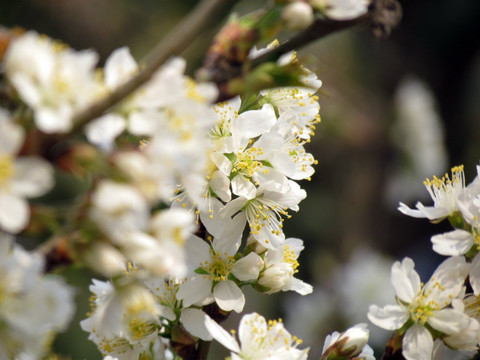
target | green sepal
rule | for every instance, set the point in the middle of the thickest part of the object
(201, 271)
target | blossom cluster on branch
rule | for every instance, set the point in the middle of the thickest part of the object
(179, 200)
(443, 310)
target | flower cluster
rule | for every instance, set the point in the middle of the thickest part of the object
(441, 308)
(181, 203)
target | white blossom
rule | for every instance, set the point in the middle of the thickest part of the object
(259, 340)
(124, 321)
(54, 80)
(428, 304)
(33, 307)
(280, 266)
(444, 192)
(20, 177)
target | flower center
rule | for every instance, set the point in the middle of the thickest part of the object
(422, 309)
(219, 267)
(446, 190)
(140, 328)
(290, 257)
(246, 163)
(6, 168)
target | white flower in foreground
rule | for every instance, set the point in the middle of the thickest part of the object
(124, 321)
(33, 307)
(348, 344)
(280, 266)
(429, 304)
(20, 177)
(444, 192)
(342, 9)
(264, 211)
(54, 80)
(259, 340)
(459, 242)
(213, 265)
(192, 319)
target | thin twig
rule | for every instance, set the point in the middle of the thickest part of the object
(319, 29)
(173, 43)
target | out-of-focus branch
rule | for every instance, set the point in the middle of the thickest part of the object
(173, 43)
(223, 65)
(319, 29)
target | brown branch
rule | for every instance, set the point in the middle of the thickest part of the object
(319, 29)
(173, 43)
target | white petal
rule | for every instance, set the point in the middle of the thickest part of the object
(241, 186)
(300, 287)
(194, 290)
(11, 135)
(194, 321)
(119, 67)
(405, 280)
(475, 275)
(417, 343)
(57, 120)
(390, 317)
(253, 123)
(33, 177)
(221, 335)
(449, 321)
(103, 131)
(198, 251)
(220, 185)
(456, 242)
(248, 267)
(144, 122)
(229, 296)
(432, 212)
(14, 213)
(447, 281)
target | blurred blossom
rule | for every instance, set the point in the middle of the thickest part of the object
(419, 135)
(20, 177)
(33, 307)
(56, 82)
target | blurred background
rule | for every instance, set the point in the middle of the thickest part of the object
(394, 112)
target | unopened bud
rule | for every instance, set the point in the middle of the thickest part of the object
(276, 277)
(298, 15)
(347, 345)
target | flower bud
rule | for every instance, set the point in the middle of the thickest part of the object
(248, 267)
(298, 15)
(347, 345)
(276, 277)
(353, 340)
